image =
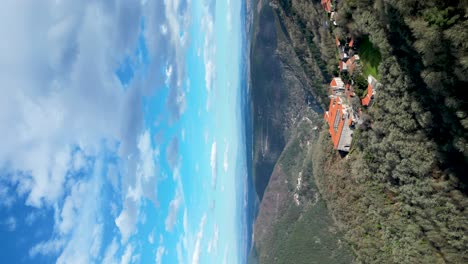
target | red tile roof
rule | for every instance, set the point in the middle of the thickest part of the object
(337, 41)
(337, 82)
(351, 64)
(335, 120)
(367, 100)
(327, 5)
(351, 42)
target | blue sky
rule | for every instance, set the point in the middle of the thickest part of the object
(122, 134)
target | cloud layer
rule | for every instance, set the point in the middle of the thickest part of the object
(63, 110)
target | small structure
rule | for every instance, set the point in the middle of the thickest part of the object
(327, 5)
(351, 63)
(343, 66)
(351, 43)
(349, 92)
(337, 87)
(371, 87)
(341, 121)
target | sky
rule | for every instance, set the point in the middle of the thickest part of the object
(122, 132)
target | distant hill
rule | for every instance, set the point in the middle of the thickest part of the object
(293, 224)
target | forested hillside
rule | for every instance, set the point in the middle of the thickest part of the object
(413, 151)
(400, 196)
(293, 224)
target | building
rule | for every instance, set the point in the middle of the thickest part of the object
(351, 64)
(349, 92)
(337, 87)
(371, 87)
(327, 5)
(351, 43)
(341, 121)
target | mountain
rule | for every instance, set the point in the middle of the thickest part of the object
(400, 194)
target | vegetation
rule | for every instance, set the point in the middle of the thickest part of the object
(370, 57)
(360, 87)
(401, 195)
(287, 232)
(405, 182)
(312, 43)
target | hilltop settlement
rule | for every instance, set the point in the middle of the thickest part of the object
(343, 114)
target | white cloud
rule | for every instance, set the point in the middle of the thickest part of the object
(164, 29)
(213, 243)
(97, 240)
(77, 233)
(6, 198)
(145, 187)
(160, 251)
(177, 22)
(47, 247)
(174, 205)
(127, 219)
(229, 16)
(10, 223)
(197, 249)
(168, 74)
(226, 155)
(110, 253)
(147, 167)
(113, 177)
(79, 161)
(66, 97)
(48, 182)
(127, 256)
(113, 209)
(63, 83)
(32, 217)
(209, 52)
(159, 254)
(180, 256)
(213, 163)
(225, 256)
(84, 240)
(70, 210)
(185, 220)
(209, 48)
(151, 237)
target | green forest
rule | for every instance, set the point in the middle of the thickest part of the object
(400, 196)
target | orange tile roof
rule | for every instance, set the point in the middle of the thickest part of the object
(337, 82)
(367, 100)
(337, 41)
(335, 120)
(327, 5)
(351, 42)
(351, 64)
